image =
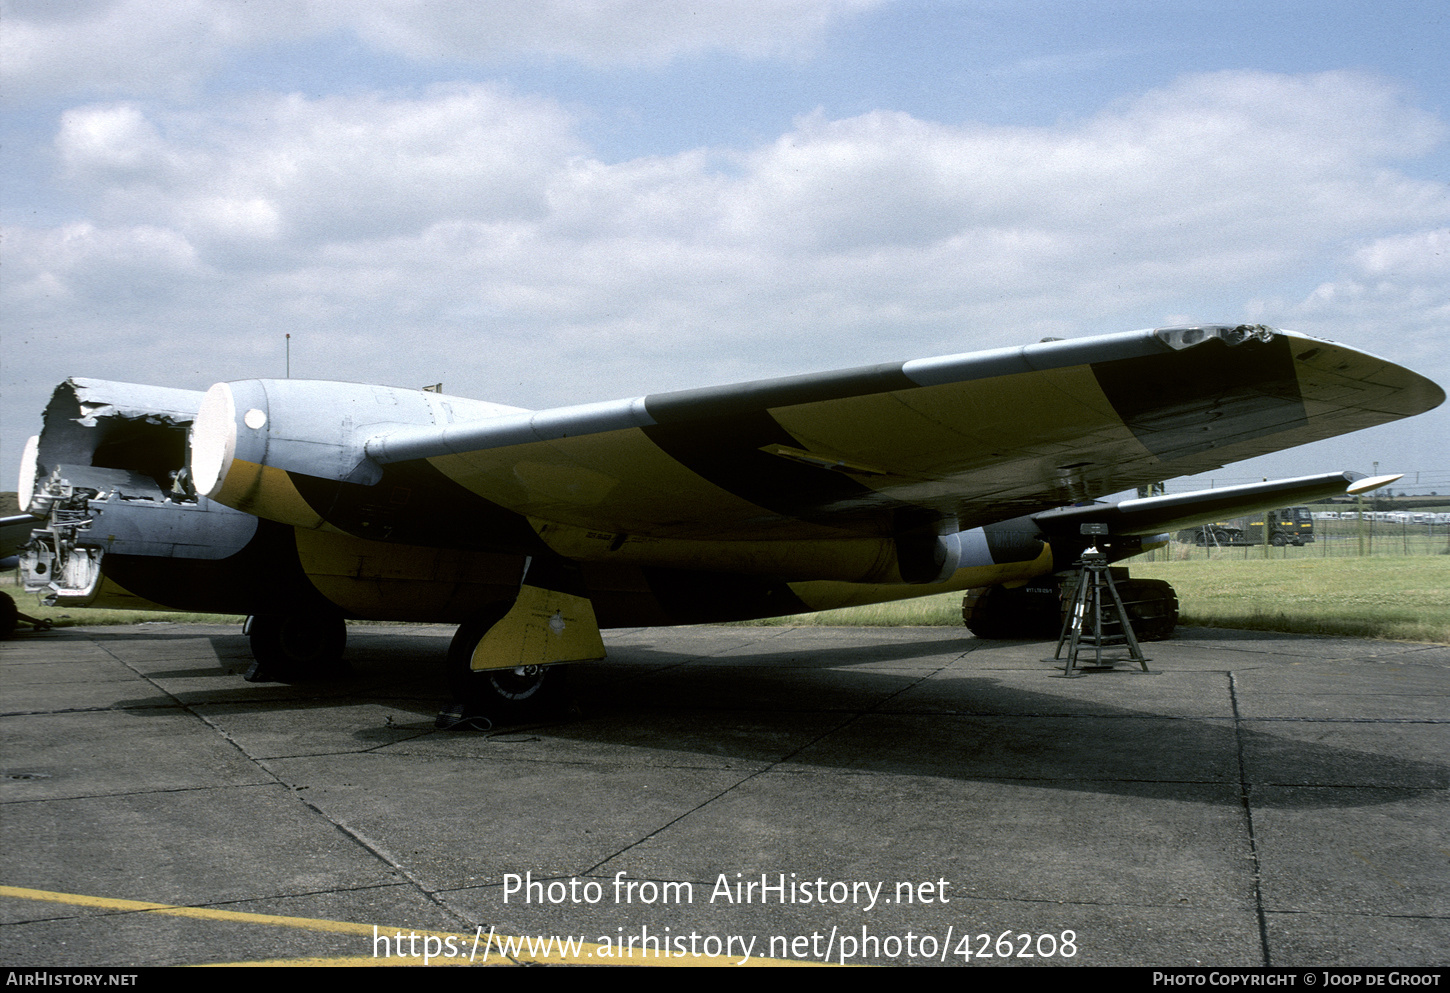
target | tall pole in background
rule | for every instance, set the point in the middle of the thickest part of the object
(289, 356)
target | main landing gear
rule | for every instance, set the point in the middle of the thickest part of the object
(516, 691)
(288, 648)
(505, 661)
(1000, 612)
(1035, 610)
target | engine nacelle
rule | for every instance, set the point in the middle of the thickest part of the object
(249, 435)
(1014, 545)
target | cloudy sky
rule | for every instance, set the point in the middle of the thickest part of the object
(543, 202)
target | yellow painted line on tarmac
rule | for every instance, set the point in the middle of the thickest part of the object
(483, 948)
(206, 913)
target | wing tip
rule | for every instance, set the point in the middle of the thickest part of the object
(1363, 484)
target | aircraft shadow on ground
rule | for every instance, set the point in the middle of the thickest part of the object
(818, 707)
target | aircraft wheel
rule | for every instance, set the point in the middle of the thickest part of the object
(521, 690)
(1032, 611)
(1152, 606)
(288, 647)
(9, 615)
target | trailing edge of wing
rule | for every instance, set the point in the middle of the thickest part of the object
(1150, 515)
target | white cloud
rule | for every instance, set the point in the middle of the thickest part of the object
(1199, 174)
(466, 234)
(81, 265)
(115, 47)
(1394, 291)
(1423, 256)
(299, 171)
(1174, 171)
(134, 46)
(600, 32)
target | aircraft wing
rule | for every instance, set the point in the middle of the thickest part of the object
(929, 445)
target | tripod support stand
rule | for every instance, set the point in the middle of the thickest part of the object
(1096, 619)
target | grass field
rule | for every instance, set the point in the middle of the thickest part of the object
(1402, 598)
(1399, 598)
(62, 617)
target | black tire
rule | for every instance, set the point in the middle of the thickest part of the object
(9, 615)
(1221, 538)
(1279, 541)
(291, 647)
(499, 693)
(996, 612)
(1152, 606)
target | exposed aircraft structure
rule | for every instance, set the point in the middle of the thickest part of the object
(305, 503)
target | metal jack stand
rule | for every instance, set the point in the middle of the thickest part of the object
(1086, 626)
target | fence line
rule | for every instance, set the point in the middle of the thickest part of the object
(1346, 538)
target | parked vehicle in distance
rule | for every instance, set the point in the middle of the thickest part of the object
(1290, 526)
